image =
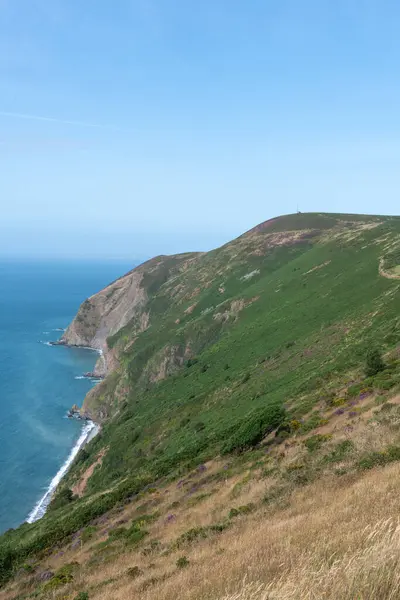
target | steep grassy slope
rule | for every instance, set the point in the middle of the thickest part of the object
(268, 319)
(208, 354)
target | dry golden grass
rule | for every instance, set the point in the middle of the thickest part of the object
(337, 538)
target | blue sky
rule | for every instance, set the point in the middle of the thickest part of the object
(173, 125)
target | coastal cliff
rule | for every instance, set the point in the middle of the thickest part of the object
(151, 321)
(124, 301)
(235, 390)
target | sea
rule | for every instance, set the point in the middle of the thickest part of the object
(40, 382)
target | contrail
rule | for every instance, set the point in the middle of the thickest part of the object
(53, 120)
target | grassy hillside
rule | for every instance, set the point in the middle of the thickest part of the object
(242, 384)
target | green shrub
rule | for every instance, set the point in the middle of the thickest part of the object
(191, 362)
(61, 577)
(338, 402)
(283, 430)
(134, 533)
(151, 548)
(253, 429)
(385, 381)
(383, 457)
(118, 533)
(268, 471)
(374, 363)
(315, 442)
(134, 572)
(191, 536)
(241, 510)
(82, 596)
(62, 498)
(88, 533)
(182, 562)
(311, 423)
(219, 527)
(341, 450)
(83, 455)
(386, 385)
(300, 474)
(134, 537)
(275, 494)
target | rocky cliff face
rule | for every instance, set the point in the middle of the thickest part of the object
(123, 301)
(105, 313)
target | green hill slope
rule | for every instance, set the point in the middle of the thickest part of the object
(267, 319)
(207, 354)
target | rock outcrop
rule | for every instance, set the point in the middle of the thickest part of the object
(125, 301)
(107, 312)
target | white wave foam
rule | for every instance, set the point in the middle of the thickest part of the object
(45, 343)
(80, 377)
(45, 332)
(59, 329)
(89, 430)
(97, 350)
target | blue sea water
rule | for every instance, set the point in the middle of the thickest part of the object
(38, 383)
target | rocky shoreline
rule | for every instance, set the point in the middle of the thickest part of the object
(93, 375)
(75, 413)
(62, 342)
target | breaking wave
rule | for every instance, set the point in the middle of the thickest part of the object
(89, 430)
